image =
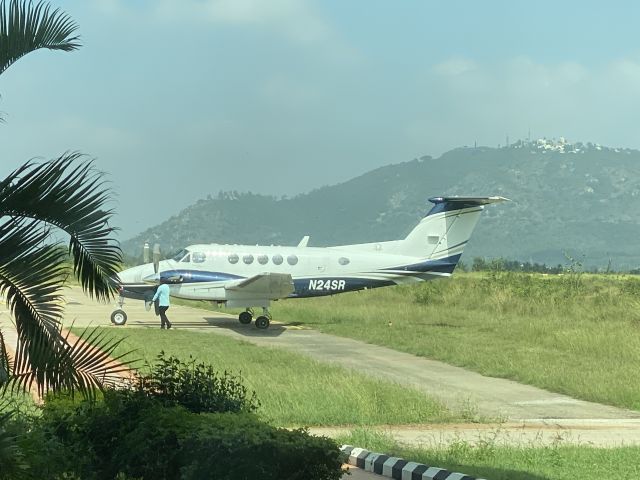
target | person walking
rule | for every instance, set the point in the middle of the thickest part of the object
(162, 296)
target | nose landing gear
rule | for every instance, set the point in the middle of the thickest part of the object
(118, 316)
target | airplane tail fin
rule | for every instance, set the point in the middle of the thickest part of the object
(444, 232)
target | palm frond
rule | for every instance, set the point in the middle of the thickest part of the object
(30, 277)
(72, 198)
(5, 361)
(25, 27)
(85, 365)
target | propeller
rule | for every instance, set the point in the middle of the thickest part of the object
(156, 257)
(145, 252)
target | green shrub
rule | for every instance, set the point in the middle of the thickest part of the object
(180, 421)
(140, 437)
(12, 461)
(196, 386)
(212, 450)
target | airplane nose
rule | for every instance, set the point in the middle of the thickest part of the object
(135, 274)
(153, 278)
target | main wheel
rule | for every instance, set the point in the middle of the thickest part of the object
(245, 318)
(118, 317)
(262, 322)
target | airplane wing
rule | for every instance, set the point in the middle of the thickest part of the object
(264, 285)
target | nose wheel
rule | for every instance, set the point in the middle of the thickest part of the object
(119, 317)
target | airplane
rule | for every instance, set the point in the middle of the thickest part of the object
(248, 276)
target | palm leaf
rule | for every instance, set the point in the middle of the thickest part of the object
(86, 365)
(34, 199)
(5, 361)
(25, 27)
(71, 198)
(30, 279)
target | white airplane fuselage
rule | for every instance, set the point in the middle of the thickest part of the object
(252, 275)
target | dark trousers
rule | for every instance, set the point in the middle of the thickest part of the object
(163, 317)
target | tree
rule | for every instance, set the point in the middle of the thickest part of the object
(25, 27)
(66, 194)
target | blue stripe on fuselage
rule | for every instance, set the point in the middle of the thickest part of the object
(196, 276)
(443, 265)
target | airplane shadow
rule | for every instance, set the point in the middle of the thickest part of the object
(274, 330)
(226, 323)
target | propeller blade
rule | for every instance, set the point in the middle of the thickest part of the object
(145, 252)
(156, 257)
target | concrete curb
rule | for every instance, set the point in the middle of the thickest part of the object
(397, 468)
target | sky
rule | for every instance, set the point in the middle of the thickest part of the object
(180, 99)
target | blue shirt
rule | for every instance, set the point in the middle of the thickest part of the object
(162, 294)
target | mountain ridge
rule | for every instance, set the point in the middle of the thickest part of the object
(578, 199)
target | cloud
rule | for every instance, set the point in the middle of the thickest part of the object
(465, 100)
(297, 20)
(454, 67)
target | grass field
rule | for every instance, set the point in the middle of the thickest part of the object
(573, 334)
(498, 462)
(293, 389)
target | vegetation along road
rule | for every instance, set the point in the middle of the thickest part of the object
(465, 394)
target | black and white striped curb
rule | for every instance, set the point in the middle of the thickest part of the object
(397, 468)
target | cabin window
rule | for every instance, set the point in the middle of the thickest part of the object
(248, 259)
(433, 239)
(343, 261)
(262, 259)
(198, 257)
(277, 259)
(292, 259)
(233, 258)
(180, 255)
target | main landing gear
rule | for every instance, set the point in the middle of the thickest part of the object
(262, 321)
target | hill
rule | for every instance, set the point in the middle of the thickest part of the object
(574, 198)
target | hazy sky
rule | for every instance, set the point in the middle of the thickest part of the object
(177, 99)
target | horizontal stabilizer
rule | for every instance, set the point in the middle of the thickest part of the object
(448, 204)
(470, 201)
(267, 285)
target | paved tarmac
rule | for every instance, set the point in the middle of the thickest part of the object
(522, 414)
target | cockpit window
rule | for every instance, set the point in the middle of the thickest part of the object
(180, 255)
(198, 257)
(187, 258)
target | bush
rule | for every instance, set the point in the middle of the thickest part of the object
(181, 421)
(195, 386)
(214, 448)
(12, 461)
(140, 437)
